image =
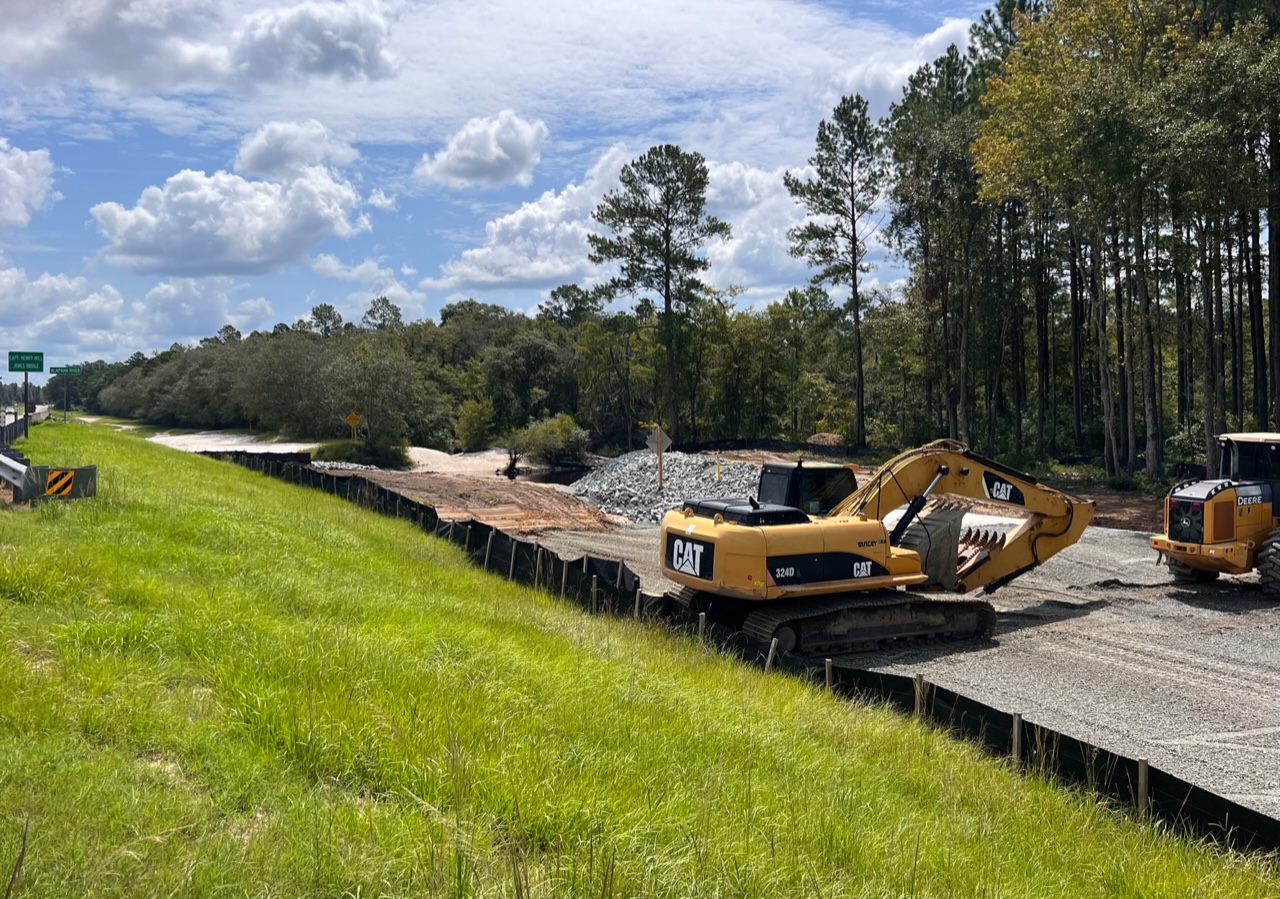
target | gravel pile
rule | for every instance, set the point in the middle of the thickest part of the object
(628, 485)
(344, 466)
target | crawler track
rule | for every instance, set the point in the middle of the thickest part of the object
(851, 622)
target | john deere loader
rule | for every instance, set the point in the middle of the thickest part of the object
(1228, 523)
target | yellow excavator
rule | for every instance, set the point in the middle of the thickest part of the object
(830, 583)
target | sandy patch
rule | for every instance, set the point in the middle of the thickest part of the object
(488, 462)
(219, 442)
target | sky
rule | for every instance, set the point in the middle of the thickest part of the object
(168, 167)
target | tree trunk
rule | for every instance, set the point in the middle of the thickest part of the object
(1257, 334)
(1122, 371)
(1210, 393)
(1236, 334)
(669, 327)
(1077, 345)
(1043, 361)
(1110, 451)
(1155, 460)
(1273, 256)
(860, 423)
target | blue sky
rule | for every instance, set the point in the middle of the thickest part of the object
(171, 166)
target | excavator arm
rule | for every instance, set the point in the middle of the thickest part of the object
(1055, 520)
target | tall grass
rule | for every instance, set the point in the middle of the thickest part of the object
(216, 683)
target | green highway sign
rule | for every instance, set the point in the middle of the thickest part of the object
(26, 361)
(65, 370)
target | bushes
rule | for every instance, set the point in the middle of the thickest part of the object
(552, 441)
(381, 454)
(475, 424)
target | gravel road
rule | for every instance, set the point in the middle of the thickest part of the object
(1100, 644)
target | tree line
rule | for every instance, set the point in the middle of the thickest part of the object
(1086, 199)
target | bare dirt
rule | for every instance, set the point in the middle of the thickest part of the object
(517, 507)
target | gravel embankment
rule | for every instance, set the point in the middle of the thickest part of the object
(628, 485)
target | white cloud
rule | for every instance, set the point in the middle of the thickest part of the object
(71, 319)
(26, 183)
(756, 204)
(378, 200)
(281, 149)
(347, 40)
(222, 224)
(487, 153)
(23, 301)
(179, 45)
(186, 309)
(61, 315)
(543, 243)
(375, 281)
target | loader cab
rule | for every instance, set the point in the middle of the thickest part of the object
(814, 488)
(1250, 457)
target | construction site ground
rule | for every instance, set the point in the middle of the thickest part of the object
(1098, 643)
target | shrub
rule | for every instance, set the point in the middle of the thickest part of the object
(474, 427)
(383, 454)
(551, 441)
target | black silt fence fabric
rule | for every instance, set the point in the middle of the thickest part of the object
(976, 720)
(1171, 798)
(1211, 815)
(897, 690)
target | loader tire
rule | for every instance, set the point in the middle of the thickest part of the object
(1185, 574)
(1269, 566)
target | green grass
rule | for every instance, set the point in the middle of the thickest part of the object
(216, 683)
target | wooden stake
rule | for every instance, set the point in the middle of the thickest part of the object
(830, 673)
(1142, 786)
(594, 579)
(773, 651)
(1015, 748)
(511, 569)
(637, 612)
(702, 625)
(919, 685)
(537, 565)
(466, 543)
(564, 577)
(488, 548)
(618, 583)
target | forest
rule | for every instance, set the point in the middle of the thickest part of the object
(1086, 199)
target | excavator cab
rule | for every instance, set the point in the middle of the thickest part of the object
(814, 488)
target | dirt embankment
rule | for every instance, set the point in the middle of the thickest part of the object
(517, 507)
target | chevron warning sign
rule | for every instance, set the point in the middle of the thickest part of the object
(60, 482)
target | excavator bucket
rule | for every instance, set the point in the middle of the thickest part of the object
(935, 536)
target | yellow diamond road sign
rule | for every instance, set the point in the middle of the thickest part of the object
(353, 419)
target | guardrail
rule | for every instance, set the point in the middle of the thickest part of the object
(605, 586)
(11, 432)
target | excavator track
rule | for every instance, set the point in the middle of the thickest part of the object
(860, 622)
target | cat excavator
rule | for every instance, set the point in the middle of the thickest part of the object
(839, 581)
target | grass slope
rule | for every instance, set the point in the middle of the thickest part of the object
(215, 683)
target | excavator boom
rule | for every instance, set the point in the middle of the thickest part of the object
(948, 468)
